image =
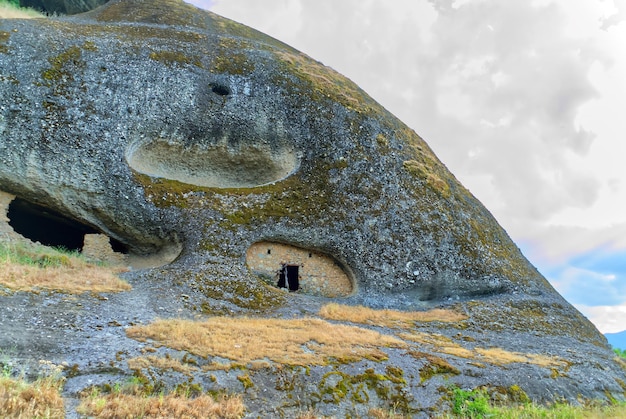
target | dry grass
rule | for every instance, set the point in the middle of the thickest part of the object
(28, 268)
(387, 318)
(324, 79)
(66, 279)
(39, 399)
(161, 363)
(377, 413)
(311, 414)
(496, 356)
(500, 356)
(117, 405)
(244, 340)
(440, 343)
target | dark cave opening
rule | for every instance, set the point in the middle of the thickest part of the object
(289, 277)
(293, 277)
(51, 228)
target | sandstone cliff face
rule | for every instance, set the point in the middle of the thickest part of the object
(159, 124)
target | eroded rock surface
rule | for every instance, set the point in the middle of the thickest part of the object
(209, 133)
(164, 126)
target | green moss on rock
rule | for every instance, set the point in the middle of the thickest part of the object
(245, 381)
(63, 66)
(231, 59)
(90, 46)
(251, 295)
(422, 171)
(164, 12)
(434, 366)
(320, 83)
(172, 58)
(4, 37)
(390, 388)
(9, 79)
(230, 28)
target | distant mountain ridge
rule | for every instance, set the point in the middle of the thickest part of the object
(617, 340)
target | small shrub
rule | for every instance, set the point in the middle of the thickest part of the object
(12, 3)
(470, 403)
(620, 352)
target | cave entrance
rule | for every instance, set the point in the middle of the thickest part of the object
(312, 271)
(50, 228)
(288, 277)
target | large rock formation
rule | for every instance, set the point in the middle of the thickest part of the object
(164, 126)
(218, 136)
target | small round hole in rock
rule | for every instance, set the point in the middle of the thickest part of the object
(220, 89)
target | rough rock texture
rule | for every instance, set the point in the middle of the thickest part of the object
(159, 124)
(93, 99)
(64, 7)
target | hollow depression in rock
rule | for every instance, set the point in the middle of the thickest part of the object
(218, 166)
(298, 269)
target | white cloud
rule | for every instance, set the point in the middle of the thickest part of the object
(608, 319)
(617, 14)
(553, 245)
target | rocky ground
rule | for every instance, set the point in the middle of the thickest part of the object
(86, 334)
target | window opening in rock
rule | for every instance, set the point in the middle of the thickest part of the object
(269, 251)
(289, 277)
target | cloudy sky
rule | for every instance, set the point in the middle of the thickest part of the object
(523, 100)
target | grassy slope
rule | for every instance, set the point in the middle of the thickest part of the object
(28, 267)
